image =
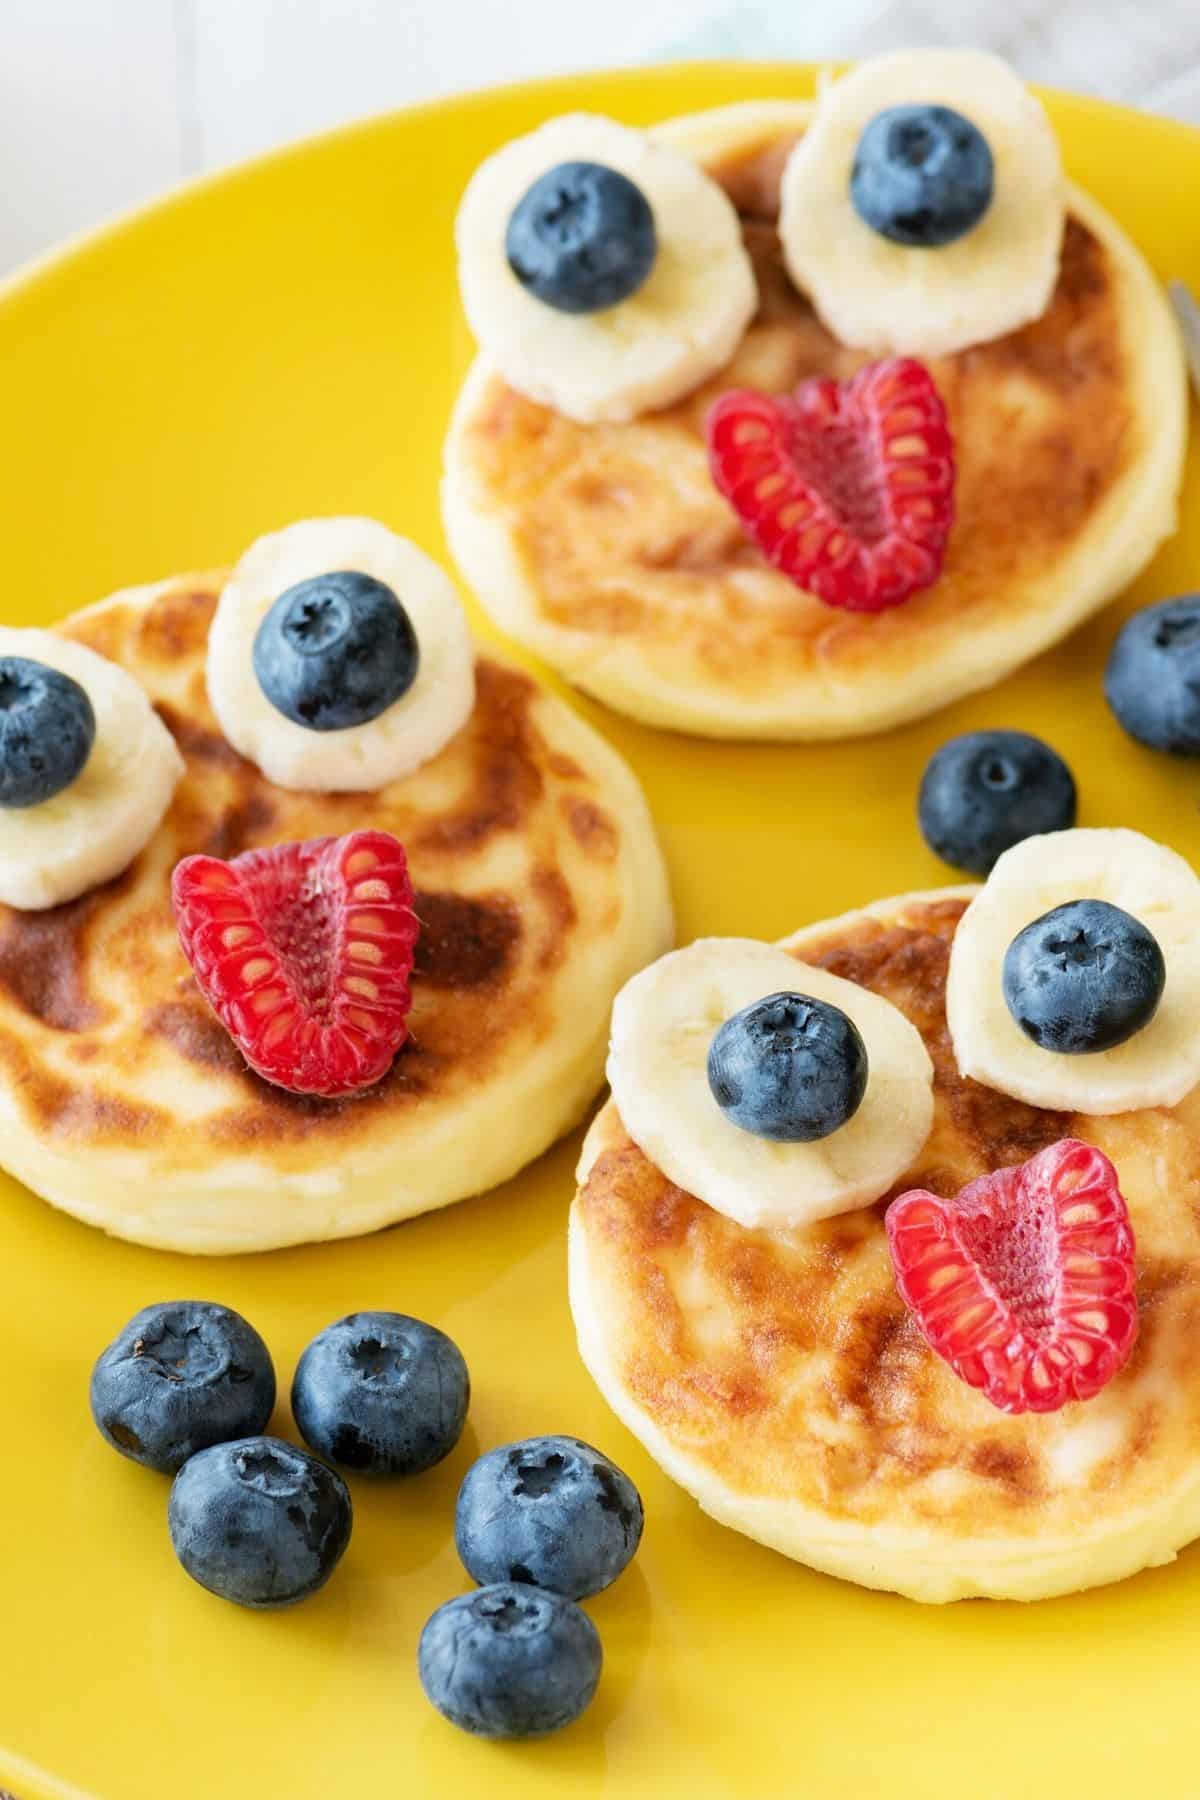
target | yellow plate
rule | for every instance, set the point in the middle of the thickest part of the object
(286, 340)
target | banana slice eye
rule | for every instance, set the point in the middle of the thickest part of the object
(339, 657)
(1074, 979)
(923, 209)
(601, 271)
(693, 1070)
(87, 769)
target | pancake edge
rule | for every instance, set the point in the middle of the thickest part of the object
(936, 1569)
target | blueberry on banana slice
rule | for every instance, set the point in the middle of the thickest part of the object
(548, 1511)
(1085, 977)
(922, 175)
(985, 791)
(335, 651)
(179, 1377)
(582, 238)
(509, 1661)
(788, 1068)
(47, 729)
(258, 1521)
(1152, 682)
(381, 1394)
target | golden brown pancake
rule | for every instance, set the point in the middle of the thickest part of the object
(780, 1378)
(608, 549)
(539, 887)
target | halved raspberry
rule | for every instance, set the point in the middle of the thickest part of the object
(1025, 1283)
(847, 487)
(304, 953)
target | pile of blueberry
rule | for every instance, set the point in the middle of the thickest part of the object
(187, 1388)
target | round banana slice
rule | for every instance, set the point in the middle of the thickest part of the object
(91, 830)
(1161, 1063)
(662, 1025)
(878, 295)
(359, 757)
(680, 326)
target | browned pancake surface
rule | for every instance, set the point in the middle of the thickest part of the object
(787, 1365)
(622, 533)
(97, 1002)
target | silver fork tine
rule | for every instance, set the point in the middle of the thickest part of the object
(1187, 311)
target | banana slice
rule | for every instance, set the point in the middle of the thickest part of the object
(359, 757)
(888, 297)
(680, 326)
(1161, 1063)
(663, 1022)
(94, 828)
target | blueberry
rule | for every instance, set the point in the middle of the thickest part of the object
(258, 1521)
(47, 729)
(335, 651)
(582, 238)
(509, 1661)
(179, 1377)
(922, 175)
(382, 1394)
(1084, 977)
(788, 1068)
(1152, 681)
(987, 790)
(549, 1511)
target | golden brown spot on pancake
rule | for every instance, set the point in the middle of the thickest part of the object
(464, 943)
(196, 1033)
(198, 743)
(550, 886)
(593, 829)
(242, 827)
(43, 960)
(509, 780)
(565, 767)
(177, 626)
(752, 178)
(1009, 1465)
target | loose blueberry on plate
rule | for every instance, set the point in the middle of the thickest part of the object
(258, 1521)
(382, 1394)
(582, 238)
(509, 1661)
(47, 729)
(179, 1377)
(335, 651)
(1084, 977)
(551, 1512)
(788, 1068)
(1152, 682)
(985, 791)
(922, 175)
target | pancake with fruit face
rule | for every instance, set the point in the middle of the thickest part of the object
(778, 1376)
(607, 548)
(539, 889)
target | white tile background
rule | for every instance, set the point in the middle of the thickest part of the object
(103, 102)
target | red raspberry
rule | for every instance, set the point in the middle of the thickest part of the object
(1025, 1282)
(847, 487)
(304, 954)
